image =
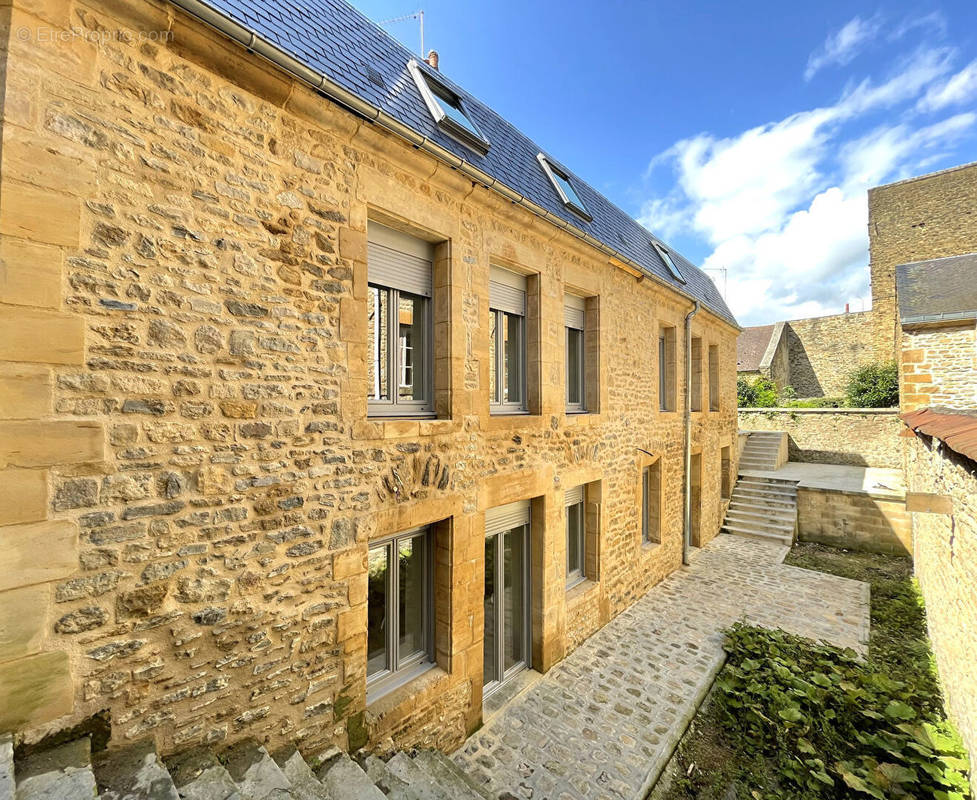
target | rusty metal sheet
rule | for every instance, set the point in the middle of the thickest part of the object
(956, 429)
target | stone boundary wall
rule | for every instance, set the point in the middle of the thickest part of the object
(823, 351)
(863, 437)
(854, 520)
(945, 561)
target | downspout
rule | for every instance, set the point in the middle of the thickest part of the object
(687, 523)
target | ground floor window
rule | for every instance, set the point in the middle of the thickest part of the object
(576, 535)
(651, 510)
(400, 609)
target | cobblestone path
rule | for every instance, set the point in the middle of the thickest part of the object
(603, 722)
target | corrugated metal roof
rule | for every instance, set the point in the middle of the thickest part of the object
(957, 429)
(938, 289)
(333, 38)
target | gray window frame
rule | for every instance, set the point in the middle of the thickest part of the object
(496, 405)
(552, 170)
(581, 348)
(578, 575)
(403, 669)
(431, 89)
(395, 406)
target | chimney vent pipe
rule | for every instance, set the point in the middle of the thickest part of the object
(432, 59)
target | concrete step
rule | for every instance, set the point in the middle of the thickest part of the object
(754, 534)
(256, 774)
(198, 775)
(449, 776)
(744, 486)
(763, 501)
(422, 785)
(344, 780)
(61, 773)
(760, 527)
(388, 783)
(305, 785)
(784, 515)
(7, 787)
(131, 771)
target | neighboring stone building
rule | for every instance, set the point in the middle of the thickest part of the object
(938, 311)
(279, 307)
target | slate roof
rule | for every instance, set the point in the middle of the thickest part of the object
(958, 429)
(332, 37)
(938, 289)
(750, 347)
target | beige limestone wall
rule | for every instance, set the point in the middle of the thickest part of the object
(857, 437)
(854, 521)
(931, 216)
(938, 367)
(186, 335)
(945, 558)
(822, 352)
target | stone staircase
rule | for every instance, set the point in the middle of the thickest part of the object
(244, 772)
(763, 508)
(764, 451)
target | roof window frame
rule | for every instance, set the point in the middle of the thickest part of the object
(666, 256)
(554, 169)
(431, 88)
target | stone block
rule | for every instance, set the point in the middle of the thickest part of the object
(23, 496)
(45, 443)
(25, 391)
(45, 337)
(35, 690)
(21, 544)
(352, 244)
(48, 163)
(40, 215)
(22, 621)
(30, 273)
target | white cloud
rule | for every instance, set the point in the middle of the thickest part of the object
(783, 205)
(957, 89)
(843, 45)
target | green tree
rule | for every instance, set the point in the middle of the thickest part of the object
(760, 393)
(874, 386)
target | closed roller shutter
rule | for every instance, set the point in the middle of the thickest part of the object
(573, 311)
(399, 261)
(573, 496)
(507, 291)
(504, 518)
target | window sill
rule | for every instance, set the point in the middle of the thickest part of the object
(413, 681)
(581, 590)
(503, 422)
(647, 548)
(582, 418)
(374, 428)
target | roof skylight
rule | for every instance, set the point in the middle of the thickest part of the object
(448, 110)
(666, 256)
(561, 182)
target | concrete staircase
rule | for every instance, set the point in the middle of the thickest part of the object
(764, 451)
(245, 772)
(763, 508)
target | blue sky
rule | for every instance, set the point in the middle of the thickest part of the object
(746, 135)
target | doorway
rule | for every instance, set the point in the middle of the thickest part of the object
(507, 644)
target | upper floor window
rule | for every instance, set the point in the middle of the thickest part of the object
(575, 317)
(399, 322)
(560, 179)
(713, 377)
(448, 109)
(507, 341)
(667, 383)
(695, 389)
(400, 608)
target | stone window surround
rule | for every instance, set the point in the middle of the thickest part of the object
(532, 343)
(669, 403)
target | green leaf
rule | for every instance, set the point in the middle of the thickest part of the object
(791, 714)
(820, 679)
(898, 774)
(805, 746)
(899, 710)
(859, 785)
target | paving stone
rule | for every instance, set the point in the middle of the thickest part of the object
(133, 772)
(344, 780)
(62, 773)
(256, 774)
(421, 785)
(603, 722)
(198, 775)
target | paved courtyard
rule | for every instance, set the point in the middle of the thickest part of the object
(603, 723)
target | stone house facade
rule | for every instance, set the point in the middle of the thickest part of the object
(200, 505)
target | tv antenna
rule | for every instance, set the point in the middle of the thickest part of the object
(725, 273)
(418, 15)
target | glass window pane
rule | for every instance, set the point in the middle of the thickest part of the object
(568, 191)
(489, 639)
(376, 610)
(513, 351)
(412, 367)
(378, 315)
(456, 115)
(574, 366)
(494, 376)
(575, 527)
(514, 601)
(411, 559)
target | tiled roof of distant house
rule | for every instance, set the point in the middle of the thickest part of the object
(938, 290)
(751, 346)
(331, 38)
